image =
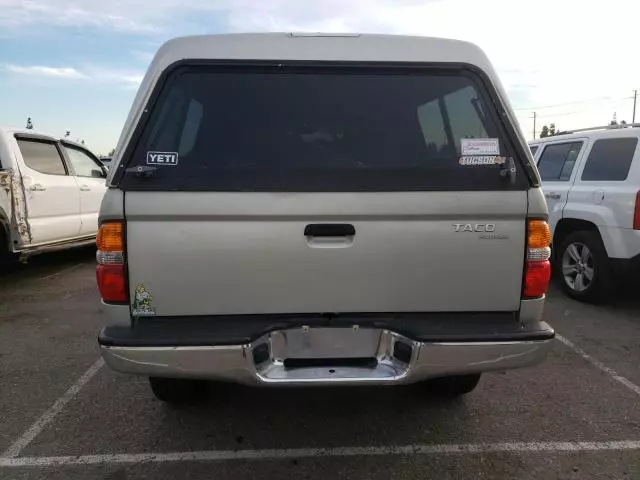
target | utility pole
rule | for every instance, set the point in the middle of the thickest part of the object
(635, 94)
(534, 125)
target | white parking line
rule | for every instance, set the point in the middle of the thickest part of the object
(600, 366)
(64, 270)
(280, 454)
(47, 417)
(9, 457)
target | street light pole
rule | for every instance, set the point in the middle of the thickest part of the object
(635, 94)
(534, 125)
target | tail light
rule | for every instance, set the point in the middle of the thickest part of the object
(537, 271)
(636, 213)
(110, 271)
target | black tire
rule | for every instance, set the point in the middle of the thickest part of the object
(177, 391)
(8, 259)
(600, 287)
(452, 387)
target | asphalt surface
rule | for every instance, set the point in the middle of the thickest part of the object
(576, 416)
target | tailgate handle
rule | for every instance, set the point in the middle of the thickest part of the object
(329, 230)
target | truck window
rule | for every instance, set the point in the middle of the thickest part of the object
(310, 130)
(42, 156)
(83, 165)
(610, 159)
(557, 161)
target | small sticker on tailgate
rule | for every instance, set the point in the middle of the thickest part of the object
(479, 146)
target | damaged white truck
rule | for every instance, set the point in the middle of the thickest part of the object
(50, 194)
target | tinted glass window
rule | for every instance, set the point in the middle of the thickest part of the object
(43, 157)
(83, 165)
(534, 149)
(570, 161)
(557, 161)
(464, 111)
(610, 159)
(310, 130)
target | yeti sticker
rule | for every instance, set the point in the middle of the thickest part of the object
(162, 158)
(142, 302)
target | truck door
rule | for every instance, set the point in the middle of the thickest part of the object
(51, 194)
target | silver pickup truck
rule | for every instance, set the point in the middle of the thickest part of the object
(320, 210)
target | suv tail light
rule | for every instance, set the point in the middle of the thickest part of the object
(636, 213)
(537, 271)
(110, 271)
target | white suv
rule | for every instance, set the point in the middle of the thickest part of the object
(591, 180)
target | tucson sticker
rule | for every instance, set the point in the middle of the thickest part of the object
(479, 146)
(481, 160)
(162, 158)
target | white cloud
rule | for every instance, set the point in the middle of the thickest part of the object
(129, 78)
(109, 75)
(134, 79)
(42, 71)
(70, 13)
(142, 55)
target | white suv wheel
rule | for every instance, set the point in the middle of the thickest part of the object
(577, 266)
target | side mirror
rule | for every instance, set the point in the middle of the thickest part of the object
(101, 173)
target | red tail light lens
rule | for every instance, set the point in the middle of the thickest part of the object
(536, 279)
(111, 273)
(636, 213)
(112, 283)
(537, 271)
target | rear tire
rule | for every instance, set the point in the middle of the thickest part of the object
(8, 259)
(454, 386)
(177, 391)
(583, 268)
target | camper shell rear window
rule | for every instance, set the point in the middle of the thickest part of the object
(300, 127)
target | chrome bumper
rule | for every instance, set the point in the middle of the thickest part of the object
(264, 362)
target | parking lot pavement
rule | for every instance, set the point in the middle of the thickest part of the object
(48, 319)
(576, 416)
(609, 333)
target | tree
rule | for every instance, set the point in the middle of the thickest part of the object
(112, 152)
(82, 142)
(29, 124)
(545, 132)
(67, 134)
(552, 129)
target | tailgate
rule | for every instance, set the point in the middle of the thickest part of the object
(298, 188)
(217, 253)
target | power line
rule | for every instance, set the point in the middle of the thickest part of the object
(613, 104)
(593, 100)
(563, 114)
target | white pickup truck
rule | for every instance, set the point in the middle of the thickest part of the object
(50, 193)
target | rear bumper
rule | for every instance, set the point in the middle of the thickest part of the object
(394, 358)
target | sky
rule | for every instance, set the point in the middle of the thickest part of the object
(76, 64)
